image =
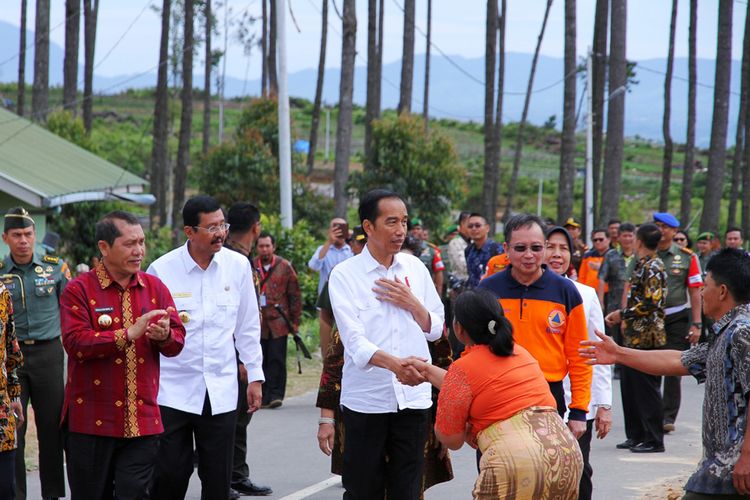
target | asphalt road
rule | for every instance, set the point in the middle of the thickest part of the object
(283, 453)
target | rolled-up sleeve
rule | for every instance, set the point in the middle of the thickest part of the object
(316, 263)
(434, 305)
(351, 328)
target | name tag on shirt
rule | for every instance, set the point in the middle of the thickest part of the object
(262, 300)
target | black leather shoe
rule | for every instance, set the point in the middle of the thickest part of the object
(247, 487)
(647, 448)
(234, 494)
(626, 445)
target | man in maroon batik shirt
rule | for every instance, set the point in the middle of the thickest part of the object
(116, 320)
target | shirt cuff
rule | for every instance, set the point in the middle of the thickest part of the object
(121, 338)
(576, 414)
(255, 375)
(436, 327)
(364, 354)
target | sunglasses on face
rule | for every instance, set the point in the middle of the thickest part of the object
(679, 239)
(525, 248)
(598, 240)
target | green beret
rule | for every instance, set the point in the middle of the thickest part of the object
(706, 236)
(17, 218)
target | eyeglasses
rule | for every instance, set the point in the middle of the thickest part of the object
(525, 248)
(597, 240)
(475, 226)
(214, 229)
(679, 239)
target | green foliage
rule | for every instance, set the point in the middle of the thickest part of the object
(297, 246)
(70, 128)
(75, 225)
(422, 168)
(158, 242)
(261, 115)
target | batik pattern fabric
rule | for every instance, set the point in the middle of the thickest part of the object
(644, 314)
(477, 258)
(11, 358)
(529, 455)
(722, 363)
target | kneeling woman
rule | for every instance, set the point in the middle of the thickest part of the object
(496, 398)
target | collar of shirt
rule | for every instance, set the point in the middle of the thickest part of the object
(370, 264)
(190, 263)
(729, 317)
(541, 283)
(36, 260)
(105, 278)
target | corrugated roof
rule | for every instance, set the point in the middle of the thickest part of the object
(46, 170)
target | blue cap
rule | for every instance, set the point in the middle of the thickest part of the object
(666, 218)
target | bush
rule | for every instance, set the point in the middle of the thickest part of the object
(422, 168)
(297, 246)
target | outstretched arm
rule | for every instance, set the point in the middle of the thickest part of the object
(656, 362)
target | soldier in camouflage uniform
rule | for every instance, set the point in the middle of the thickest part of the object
(36, 282)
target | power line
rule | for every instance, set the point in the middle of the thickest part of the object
(33, 42)
(681, 78)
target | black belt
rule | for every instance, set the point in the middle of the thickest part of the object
(38, 341)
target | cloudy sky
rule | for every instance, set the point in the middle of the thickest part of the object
(130, 30)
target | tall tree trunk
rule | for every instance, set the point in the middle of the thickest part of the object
(718, 148)
(598, 85)
(490, 148)
(314, 124)
(666, 169)
(740, 132)
(568, 146)
(344, 124)
(497, 139)
(379, 79)
(40, 90)
(372, 108)
(273, 84)
(426, 98)
(90, 13)
(407, 58)
(264, 49)
(159, 150)
(70, 65)
(22, 63)
(746, 172)
(524, 115)
(207, 79)
(688, 168)
(186, 116)
(612, 182)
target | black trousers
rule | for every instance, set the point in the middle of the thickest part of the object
(642, 406)
(677, 326)
(213, 435)
(274, 368)
(240, 469)
(586, 486)
(369, 438)
(7, 474)
(101, 467)
(42, 383)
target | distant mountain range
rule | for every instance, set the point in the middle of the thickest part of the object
(453, 94)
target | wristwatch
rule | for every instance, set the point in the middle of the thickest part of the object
(697, 325)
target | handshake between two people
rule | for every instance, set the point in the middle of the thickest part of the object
(413, 370)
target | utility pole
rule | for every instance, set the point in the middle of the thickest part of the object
(285, 147)
(223, 74)
(589, 185)
(328, 133)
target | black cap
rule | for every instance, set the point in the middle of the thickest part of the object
(17, 218)
(564, 232)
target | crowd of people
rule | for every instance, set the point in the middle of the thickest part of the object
(501, 346)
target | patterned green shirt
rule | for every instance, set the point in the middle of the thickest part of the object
(644, 314)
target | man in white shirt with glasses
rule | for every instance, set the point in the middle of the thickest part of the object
(213, 291)
(386, 309)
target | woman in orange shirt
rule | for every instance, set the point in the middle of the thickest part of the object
(495, 398)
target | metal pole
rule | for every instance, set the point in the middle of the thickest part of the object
(285, 147)
(539, 197)
(328, 133)
(589, 186)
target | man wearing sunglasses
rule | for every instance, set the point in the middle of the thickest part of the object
(592, 260)
(213, 291)
(682, 323)
(547, 314)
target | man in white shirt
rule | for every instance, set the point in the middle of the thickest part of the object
(557, 256)
(213, 291)
(386, 309)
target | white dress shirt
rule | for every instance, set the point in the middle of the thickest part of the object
(601, 382)
(367, 325)
(332, 257)
(223, 314)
